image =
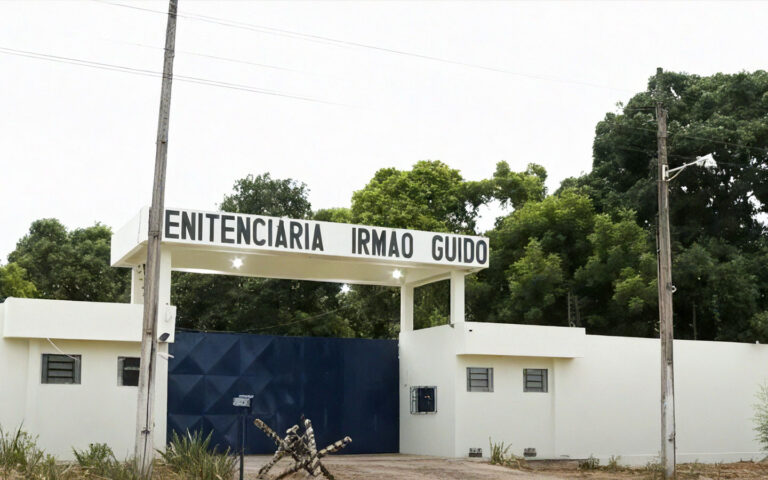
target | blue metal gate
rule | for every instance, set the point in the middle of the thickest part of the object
(345, 386)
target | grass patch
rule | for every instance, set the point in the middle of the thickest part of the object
(192, 456)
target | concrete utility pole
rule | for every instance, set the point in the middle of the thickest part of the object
(145, 420)
(665, 295)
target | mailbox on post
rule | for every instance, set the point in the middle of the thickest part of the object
(243, 404)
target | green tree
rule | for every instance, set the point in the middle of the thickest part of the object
(434, 197)
(14, 283)
(70, 265)
(269, 306)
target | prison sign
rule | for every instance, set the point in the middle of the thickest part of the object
(263, 233)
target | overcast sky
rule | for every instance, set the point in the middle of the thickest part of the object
(78, 143)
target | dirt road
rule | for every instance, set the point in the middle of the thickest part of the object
(413, 467)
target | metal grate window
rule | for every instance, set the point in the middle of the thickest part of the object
(128, 371)
(479, 379)
(423, 400)
(534, 379)
(61, 369)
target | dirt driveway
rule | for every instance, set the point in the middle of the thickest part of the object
(388, 467)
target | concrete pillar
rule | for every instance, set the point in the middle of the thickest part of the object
(164, 285)
(137, 284)
(457, 297)
(406, 308)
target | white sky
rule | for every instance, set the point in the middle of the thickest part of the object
(78, 143)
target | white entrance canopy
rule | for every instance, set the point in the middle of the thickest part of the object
(260, 246)
(271, 247)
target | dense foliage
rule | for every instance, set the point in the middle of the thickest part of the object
(583, 256)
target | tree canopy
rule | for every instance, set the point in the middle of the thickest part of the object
(70, 265)
(583, 256)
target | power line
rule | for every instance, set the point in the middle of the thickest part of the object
(348, 43)
(152, 73)
(680, 134)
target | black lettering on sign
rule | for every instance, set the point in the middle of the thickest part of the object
(169, 223)
(394, 251)
(243, 230)
(225, 229)
(199, 226)
(481, 252)
(407, 248)
(378, 242)
(295, 228)
(306, 236)
(363, 237)
(437, 250)
(188, 225)
(469, 251)
(256, 222)
(450, 248)
(269, 232)
(280, 238)
(317, 239)
(354, 240)
(211, 218)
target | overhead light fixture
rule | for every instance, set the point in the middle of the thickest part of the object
(345, 289)
(707, 161)
(237, 262)
(397, 274)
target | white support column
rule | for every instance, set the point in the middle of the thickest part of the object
(406, 308)
(164, 285)
(137, 284)
(457, 297)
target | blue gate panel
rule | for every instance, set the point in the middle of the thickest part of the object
(345, 386)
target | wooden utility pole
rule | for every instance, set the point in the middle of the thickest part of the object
(665, 295)
(145, 420)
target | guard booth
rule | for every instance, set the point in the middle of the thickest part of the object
(210, 368)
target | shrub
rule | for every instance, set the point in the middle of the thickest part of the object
(191, 455)
(19, 453)
(590, 463)
(761, 416)
(613, 464)
(99, 460)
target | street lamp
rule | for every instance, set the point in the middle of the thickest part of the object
(707, 161)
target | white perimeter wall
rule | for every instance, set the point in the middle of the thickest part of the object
(603, 403)
(65, 416)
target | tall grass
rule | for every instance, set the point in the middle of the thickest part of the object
(192, 456)
(500, 455)
(20, 454)
(100, 461)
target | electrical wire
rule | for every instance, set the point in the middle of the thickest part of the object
(353, 44)
(152, 73)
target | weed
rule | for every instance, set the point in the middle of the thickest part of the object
(613, 464)
(590, 463)
(655, 469)
(99, 460)
(500, 455)
(192, 455)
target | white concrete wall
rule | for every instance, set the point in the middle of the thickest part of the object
(603, 403)
(521, 419)
(427, 358)
(64, 416)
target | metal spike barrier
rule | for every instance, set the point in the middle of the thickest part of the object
(302, 448)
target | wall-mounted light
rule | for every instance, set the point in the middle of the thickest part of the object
(397, 274)
(345, 289)
(237, 262)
